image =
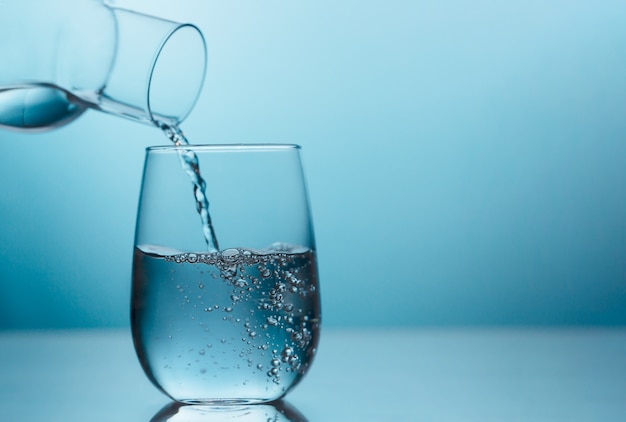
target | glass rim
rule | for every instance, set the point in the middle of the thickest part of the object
(239, 147)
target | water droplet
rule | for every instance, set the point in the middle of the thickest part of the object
(209, 309)
(228, 309)
(201, 351)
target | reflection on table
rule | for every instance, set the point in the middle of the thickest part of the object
(278, 411)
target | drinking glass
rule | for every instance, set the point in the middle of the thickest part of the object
(236, 323)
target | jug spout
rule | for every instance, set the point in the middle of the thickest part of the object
(158, 70)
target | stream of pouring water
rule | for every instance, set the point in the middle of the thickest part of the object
(189, 162)
(41, 106)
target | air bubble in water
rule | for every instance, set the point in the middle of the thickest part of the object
(265, 273)
(287, 351)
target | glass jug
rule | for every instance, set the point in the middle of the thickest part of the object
(60, 58)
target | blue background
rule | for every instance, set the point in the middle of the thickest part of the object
(466, 162)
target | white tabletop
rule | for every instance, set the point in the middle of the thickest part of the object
(358, 375)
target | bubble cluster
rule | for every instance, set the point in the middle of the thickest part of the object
(265, 298)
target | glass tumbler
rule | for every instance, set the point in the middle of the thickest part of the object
(235, 323)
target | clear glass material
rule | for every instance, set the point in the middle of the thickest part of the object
(63, 57)
(236, 325)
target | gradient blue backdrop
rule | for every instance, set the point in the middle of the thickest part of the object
(466, 162)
